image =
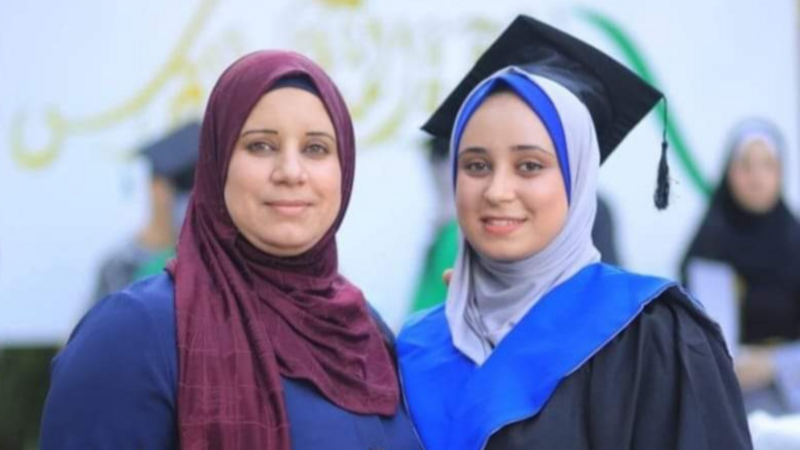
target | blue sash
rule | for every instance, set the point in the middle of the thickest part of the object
(457, 405)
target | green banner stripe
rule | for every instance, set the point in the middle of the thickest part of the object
(635, 60)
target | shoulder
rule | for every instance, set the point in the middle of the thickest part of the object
(669, 340)
(665, 315)
(424, 315)
(114, 384)
(155, 296)
(675, 321)
(676, 370)
(416, 324)
(614, 291)
(142, 305)
(132, 326)
(425, 327)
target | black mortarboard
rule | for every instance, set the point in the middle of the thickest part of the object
(174, 156)
(616, 98)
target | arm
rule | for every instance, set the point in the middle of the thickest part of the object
(112, 386)
(755, 367)
(786, 363)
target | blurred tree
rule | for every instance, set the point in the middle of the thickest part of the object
(24, 380)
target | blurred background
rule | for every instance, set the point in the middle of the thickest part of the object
(94, 96)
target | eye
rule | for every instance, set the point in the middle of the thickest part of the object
(476, 166)
(259, 147)
(530, 166)
(316, 150)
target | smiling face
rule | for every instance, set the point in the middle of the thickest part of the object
(510, 193)
(284, 185)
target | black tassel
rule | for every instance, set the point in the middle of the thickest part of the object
(661, 196)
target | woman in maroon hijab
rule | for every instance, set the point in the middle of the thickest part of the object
(252, 340)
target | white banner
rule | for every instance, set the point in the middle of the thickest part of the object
(83, 84)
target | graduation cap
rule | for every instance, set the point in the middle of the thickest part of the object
(616, 98)
(175, 155)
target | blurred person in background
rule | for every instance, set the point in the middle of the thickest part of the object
(24, 370)
(604, 233)
(748, 228)
(172, 161)
(442, 251)
(251, 339)
(539, 344)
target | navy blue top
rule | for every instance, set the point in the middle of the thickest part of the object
(114, 386)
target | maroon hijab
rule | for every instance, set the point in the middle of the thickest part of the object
(245, 318)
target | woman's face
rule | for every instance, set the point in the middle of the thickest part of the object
(754, 177)
(283, 188)
(510, 194)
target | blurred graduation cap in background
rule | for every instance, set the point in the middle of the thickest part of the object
(174, 156)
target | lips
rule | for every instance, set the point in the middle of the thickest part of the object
(502, 225)
(289, 207)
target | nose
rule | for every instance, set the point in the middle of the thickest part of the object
(500, 189)
(289, 168)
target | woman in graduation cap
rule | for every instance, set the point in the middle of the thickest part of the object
(749, 228)
(252, 340)
(539, 345)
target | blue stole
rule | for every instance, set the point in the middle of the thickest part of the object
(457, 405)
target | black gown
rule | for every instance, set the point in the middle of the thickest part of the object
(666, 382)
(606, 361)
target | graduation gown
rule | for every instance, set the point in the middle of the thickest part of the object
(606, 361)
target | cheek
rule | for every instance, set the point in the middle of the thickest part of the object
(243, 183)
(328, 185)
(738, 181)
(771, 189)
(546, 200)
(546, 193)
(469, 192)
(233, 189)
(775, 182)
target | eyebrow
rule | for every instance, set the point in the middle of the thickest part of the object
(515, 148)
(263, 131)
(528, 147)
(321, 133)
(275, 132)
(477, 150)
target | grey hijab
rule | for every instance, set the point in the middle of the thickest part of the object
(487, 298)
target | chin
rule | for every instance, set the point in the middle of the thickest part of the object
(505, 252)
(285, 244)
(285, 249)
(759, 206)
